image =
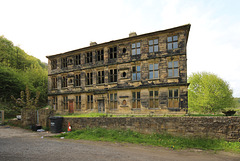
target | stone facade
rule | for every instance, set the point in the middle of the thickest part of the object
(141, 74)
(214, 127)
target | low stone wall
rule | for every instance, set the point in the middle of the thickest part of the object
(227, 128)
(44, 115)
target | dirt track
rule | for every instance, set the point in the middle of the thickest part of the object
(18, 144)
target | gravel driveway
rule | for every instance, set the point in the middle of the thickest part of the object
(18, 144)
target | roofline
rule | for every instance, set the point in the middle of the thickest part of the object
(187, 27)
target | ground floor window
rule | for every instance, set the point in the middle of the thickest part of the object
(173, 98)
(78, 102)
(90, 102)
(65, 102)
(55, 103)
(153, 99)
(136, 100)
(113, 101)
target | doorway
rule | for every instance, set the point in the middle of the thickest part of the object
(70, 109)
(101, 107)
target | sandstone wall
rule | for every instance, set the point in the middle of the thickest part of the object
(227, 128)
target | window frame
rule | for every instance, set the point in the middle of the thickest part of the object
(77, 80)
(79, 103)
(173, 98)
(54, 82)
(172, 42)
(89, 78)
(55, 102)
(136, 48)
(64, 82)
(113, 102)
(113, 52)
(65, 102)
(90, 102)
(136, 100)
(100, 55)
(113, 76)
(64, 63)
(153, 45)
(136, 74)
(53, 64)
(89, 57)
(100, 77)
(78, 59)
(153, 71)
(154, 99)
(173, 69)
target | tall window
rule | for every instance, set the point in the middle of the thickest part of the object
(77, 80)
(173, 100)
(65, 103)
(89, 57)
(78, 102)
(113, 53)
(153, 45)
(172, 42)
(89, 80)
(55, 103)
(54, 64)
(113, 101)
(113, 75)
(63, 62)
(136, 73)
(136, 48)
(100, 55)
(64, 81)
(78, 59)
(153, 71)
(54, 82)
(136, 100)
(153, 99)
(173, 69)
(100, 77)
(90, 102)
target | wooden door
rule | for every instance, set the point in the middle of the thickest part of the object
(71, 109)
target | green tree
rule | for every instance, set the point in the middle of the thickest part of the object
(208, 93)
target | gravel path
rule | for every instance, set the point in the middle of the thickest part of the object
(18, 144)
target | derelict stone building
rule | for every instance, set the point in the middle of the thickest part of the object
(140, 74)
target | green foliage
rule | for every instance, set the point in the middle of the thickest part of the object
(208, 93)
(163, 140)
(18, 70)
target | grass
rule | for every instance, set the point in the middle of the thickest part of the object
(162, 140)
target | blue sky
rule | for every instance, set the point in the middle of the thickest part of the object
(50, 27)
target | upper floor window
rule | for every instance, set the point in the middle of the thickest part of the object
(64, 81)
(54, 83)
(113, 75)
(64, 63)
(113, 53)
(136, 100)
(77, 80)
(136, 73)
(153, 99)
(153, 71)
(153, 45)
(89, 79)
(136, 48)
(78, 102)
(100, 77)
(113, 101)
(78, 59)
(100, 55)
(173, 100)
(173, 69)
(54, 64)
(172, 42)
(89, 57)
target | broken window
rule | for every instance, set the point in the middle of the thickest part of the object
(64, 81)
(153, 45)
(113, 52)
(136, 48)
(89, 57)
(113, 75)
(173, 69)
(100, 77)
(113, 101)
(100, 55)
(153, 71)
(54, 64)
(54, 82)
(136, 72)
(173, 98)
(77, 80)
(78, 59)
(78, 102)
(153, 99)
(172, 42)
(136, 100)
(90, 102)
(89, 80)
(64, 63)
